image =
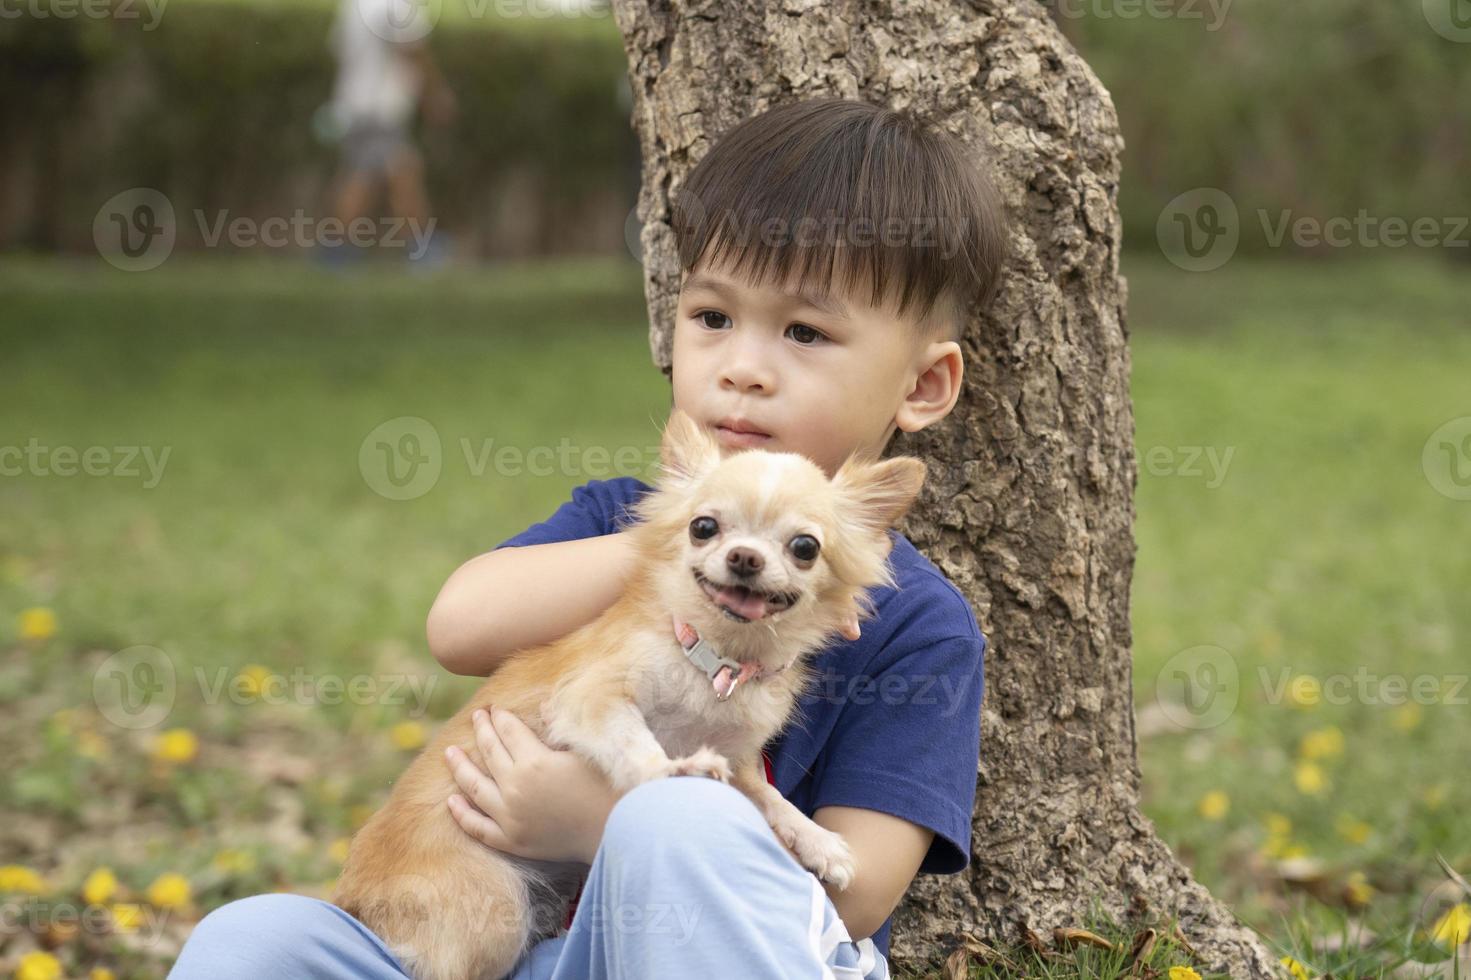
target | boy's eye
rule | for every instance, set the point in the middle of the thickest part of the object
(804, 335)
(706, 316)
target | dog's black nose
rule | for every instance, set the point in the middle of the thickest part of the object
(744, 562)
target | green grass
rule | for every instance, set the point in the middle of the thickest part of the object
(1323, 548)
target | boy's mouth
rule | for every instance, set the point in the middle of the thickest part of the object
(742, 603)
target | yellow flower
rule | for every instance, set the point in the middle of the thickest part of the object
(338, 850)
(99, 886)
(101, 973)
(169, 891)
(38, 966)
(1352, 830)
(1304, 691)
(37, 623)
(1213, 805)
(1453, 928)
(1298, 971)
(1407, 716)
(1183, 973)
(1277, 824)
(1434, 796)
(1322, 743)
(90, 745)
(176, 745)
(1309, 778)
(17, 878)
(253, 679)
(127, 916)
(408, 735)
(1290, 851)
(232, 861)
(1358, 890)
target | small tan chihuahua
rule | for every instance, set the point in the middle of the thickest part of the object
(746, 567)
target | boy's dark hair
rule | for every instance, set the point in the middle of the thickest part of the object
(853, 194)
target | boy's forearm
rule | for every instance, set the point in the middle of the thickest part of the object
(520, 597)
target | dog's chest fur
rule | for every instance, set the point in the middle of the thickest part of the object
(678, 701)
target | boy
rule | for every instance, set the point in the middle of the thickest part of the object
(796, 331)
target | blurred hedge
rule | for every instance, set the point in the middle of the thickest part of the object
(214, 107)
(1323, 107)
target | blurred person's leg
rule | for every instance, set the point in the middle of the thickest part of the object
(422, 241)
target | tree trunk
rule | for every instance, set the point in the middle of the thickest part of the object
(1029, 503)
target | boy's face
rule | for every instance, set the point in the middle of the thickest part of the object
(819, 375)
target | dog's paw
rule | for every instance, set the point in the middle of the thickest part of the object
(818, 849)
(701, 762)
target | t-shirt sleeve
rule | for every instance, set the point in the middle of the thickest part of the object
(597, 507)
(584, 515)
(907, 743)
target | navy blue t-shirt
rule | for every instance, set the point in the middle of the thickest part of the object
(891, 721)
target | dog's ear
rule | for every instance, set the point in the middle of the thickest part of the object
(879, 494)
(687, 452)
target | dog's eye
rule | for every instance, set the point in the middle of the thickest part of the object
(703, 528)
(804, 547)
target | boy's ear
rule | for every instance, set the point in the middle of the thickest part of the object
(687, 451)
(879, 494)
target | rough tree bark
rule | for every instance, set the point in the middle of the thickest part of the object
(1029, 505)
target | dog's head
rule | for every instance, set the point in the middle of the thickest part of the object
(762, 552)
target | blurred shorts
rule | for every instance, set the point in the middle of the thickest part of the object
(371, 146)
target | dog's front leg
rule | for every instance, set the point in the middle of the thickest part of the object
(818, 849)
(613, 734)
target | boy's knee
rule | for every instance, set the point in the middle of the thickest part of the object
(665, 812)
(252, 933)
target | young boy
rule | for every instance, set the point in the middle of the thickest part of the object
(831, 253)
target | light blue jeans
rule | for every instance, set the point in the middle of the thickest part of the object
(689, 882)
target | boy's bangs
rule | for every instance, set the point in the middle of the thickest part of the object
(839, 195)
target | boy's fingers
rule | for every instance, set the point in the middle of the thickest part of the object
(497, 754)
(849, 628)
(477, 824)
(517, 737)
(476, 785)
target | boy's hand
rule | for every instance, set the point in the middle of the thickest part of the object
(533, 801)
(849, 628)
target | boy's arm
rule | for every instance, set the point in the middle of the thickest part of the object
(887, 852)
(519, 597)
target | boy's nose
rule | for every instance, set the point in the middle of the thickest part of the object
(744, 561)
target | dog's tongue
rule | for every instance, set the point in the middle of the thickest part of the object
(741, 601)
